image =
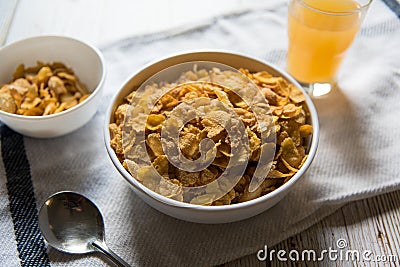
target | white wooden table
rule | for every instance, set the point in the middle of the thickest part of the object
(371, 224)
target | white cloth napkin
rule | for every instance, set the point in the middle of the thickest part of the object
(358, 154)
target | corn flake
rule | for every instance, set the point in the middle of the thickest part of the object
(42, 90)
(289, 114)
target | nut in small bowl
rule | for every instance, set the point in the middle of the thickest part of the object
(293, 119)
(49, 85)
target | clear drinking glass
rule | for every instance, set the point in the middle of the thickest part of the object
(320, 32)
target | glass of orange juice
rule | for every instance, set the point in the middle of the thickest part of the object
(320, 32)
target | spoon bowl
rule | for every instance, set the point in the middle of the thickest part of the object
(71, 223)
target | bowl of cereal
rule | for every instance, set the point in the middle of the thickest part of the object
(211, 136)
(49, 85)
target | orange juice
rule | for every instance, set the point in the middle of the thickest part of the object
(320, 31)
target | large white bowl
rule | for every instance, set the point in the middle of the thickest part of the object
(208, 214)
(85, 60)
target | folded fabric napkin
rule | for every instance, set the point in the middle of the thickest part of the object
(358, 154)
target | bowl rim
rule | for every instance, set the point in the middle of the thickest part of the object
(92, 95)
(171, 202)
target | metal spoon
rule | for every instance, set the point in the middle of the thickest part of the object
(71, 223)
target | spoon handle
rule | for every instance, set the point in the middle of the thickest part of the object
(102, 247)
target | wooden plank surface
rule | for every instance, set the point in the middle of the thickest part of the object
(369, 224)
(102, 21)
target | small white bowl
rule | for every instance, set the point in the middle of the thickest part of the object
(86, 61)
(197, 213)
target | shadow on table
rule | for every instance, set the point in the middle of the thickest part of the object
(341, 133)
(91, 258)
(377, 206)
